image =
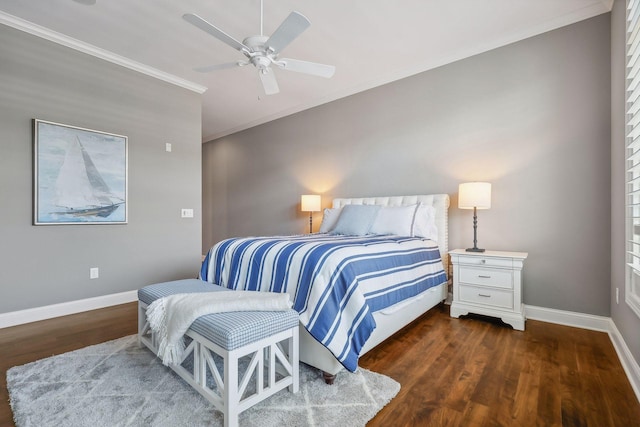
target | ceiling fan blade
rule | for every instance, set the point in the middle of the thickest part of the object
(209, 68)
(269, 82)
(214, 31)
(288, 31)
(313, 68)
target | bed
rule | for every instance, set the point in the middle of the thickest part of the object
(352, 292)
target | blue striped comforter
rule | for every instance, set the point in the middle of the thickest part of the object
(335, 282)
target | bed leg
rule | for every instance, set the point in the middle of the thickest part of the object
(328, 378)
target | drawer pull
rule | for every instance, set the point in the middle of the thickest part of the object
(484, 277)
(482, 261)
(485, 296)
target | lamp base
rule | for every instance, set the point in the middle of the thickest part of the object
(474, 250)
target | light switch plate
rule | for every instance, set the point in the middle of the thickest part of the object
(187, 213)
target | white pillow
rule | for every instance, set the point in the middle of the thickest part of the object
(329, 219)
(356, 220)
(424, 224)
(396, 220)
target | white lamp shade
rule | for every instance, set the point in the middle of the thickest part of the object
(310, 203)
(474, 195)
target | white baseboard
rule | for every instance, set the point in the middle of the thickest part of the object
(63, 309)
(595, 323)
(629, 364)
(568, 318)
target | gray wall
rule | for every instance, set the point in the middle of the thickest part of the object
(42, 265)
(533, 118)
(625, 319)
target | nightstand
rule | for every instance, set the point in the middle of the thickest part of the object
(488, 283)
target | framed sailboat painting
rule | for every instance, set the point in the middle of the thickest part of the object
(80, 175)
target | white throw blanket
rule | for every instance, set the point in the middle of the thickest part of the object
(171, 316)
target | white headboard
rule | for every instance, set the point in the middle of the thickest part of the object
(439, 201)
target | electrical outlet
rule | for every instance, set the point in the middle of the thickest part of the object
(94, 273)
(617, 295)
(186, 213)
(167, 147)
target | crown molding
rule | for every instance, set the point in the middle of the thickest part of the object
(608, 4)
(70, 42)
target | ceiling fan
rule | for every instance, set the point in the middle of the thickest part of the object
(262, 51)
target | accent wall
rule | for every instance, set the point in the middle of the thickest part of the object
(46, 265)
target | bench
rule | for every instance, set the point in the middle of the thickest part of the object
(235, 359)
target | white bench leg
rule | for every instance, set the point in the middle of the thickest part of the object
(294, 358)
(230, 395)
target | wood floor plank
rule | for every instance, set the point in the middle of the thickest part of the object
(472, 365)
(549, 409)
(475, 415)
(471, 371)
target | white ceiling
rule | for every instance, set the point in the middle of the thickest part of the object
(371, 42)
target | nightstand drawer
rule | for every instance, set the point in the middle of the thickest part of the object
(485, 261)
(483, 296)
(486, 277)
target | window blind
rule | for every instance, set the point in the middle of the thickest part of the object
(632, 155)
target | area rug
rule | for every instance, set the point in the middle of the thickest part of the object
(120, 384)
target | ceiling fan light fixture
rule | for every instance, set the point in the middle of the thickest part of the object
(261, 62)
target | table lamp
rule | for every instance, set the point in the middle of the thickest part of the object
(310, 203)
(474, 195)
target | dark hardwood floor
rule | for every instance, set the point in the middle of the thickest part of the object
(480, 372)
(454, 372)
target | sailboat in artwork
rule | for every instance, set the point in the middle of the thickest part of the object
(80, 189)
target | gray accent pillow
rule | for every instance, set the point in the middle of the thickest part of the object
(329, 219)
(356, 220)
(397, 220)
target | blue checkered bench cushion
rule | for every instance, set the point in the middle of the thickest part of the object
(228, 330)
(150, 293)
